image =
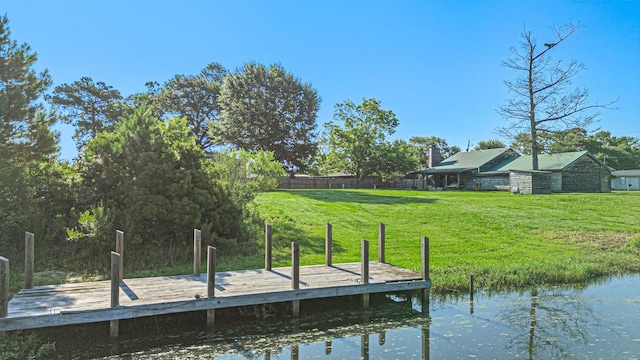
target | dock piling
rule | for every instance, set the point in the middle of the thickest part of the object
(29, 245)
(328, 245)
(425, 257)
(120, 251)
(364, 270)
(211, 282)
(197, 246)
(295, 277)
(267, 246)
(115, 291)
(4, 286)
(381, 242)
(426, 293)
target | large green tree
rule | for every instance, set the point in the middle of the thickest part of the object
(541, 102)
(149, 179)
(35, 189)
(25, 125)
(358, 141)
(194, 97)
(267, 108)
(90, 106)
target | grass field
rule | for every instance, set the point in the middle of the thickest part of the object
(506, 241)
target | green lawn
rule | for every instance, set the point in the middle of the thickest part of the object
(506, 240)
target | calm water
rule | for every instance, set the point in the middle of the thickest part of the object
(600, 321)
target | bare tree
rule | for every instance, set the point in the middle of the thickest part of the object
(541, 100)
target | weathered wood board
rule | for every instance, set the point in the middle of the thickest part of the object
(55, 305)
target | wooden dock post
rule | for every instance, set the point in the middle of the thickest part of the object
(381, 236)
(471, 288)
(120, 251)
(4, 286)
(29, 247)
(425, 258)
(328, 245)
(211, 283)
(115, 291)
(267, 246)
(197, 246)
(364, 270)
(295, 277)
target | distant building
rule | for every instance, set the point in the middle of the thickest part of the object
(625, 179)
(505, 169)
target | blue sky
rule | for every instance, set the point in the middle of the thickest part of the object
(436, 64)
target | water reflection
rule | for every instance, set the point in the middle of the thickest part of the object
(554, 321)
(599, 321)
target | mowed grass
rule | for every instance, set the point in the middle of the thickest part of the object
(506, 241)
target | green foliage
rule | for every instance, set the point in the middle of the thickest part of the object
(357, 141)
(194, 98)
(489, 144)
(618, 152)
(243, 174)
(420, 146)
(90, 107)
(35, 199)
(25, 133)
(18, 346)
(149, 177)
(267, 108)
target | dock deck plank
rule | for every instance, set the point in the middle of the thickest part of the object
(53, 305)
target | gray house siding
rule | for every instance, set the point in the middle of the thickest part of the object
(531, 182)
(556, 181)
(495, 182)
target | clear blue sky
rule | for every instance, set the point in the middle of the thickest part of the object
(436, 64)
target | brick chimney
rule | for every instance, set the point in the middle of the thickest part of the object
(434, 156)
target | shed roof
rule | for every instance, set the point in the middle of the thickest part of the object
(464, 161)
(545, 162)
(619, 173)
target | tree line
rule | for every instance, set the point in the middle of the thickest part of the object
(191, 152)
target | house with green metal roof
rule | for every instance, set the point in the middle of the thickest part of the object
(505, 169)
(461, 170)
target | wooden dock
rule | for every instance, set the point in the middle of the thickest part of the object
(115, 299)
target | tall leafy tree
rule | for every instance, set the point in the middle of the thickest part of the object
(541, 102)
(90, 106)
(33, 193)
(194, 98)
(149, 179)
(357, 141)
(25, 125)
(489, 144)
(267, 108)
